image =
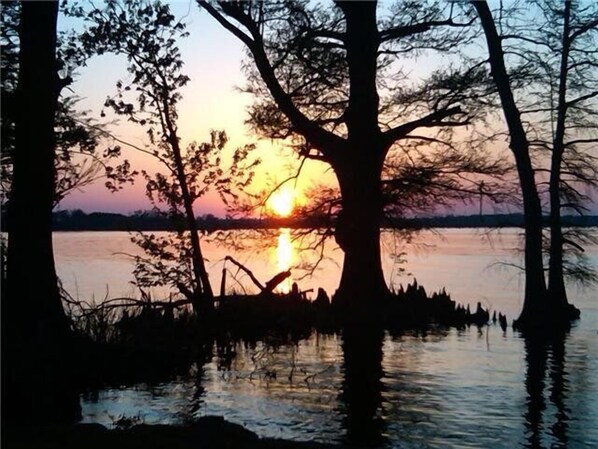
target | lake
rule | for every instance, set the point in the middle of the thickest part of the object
(475, 388)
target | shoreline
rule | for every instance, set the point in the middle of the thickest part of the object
(206, 432)
(78, 221)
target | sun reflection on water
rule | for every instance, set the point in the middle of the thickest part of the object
(284, 256)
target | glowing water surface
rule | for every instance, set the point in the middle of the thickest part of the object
(284, 256)
(476, 388)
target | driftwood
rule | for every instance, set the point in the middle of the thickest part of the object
(270, 285)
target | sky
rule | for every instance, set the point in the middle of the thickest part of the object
(211, 100)
(213, 58)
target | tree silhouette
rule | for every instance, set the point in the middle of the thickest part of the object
(148, 34)
(544, 117)
(568, 128)
(36, 333)
(334, 83)
(79, 138)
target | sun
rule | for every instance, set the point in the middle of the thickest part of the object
(282, 202)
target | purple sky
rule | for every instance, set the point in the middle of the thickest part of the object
(212, 59)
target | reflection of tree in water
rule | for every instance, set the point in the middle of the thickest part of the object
(290, 362)
(546, 353)
(558, 390)
(362, 384)
(204, 356)
(372, 404)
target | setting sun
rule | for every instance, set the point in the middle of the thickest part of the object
(282, 202)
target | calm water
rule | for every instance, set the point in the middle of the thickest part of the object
(455, 389)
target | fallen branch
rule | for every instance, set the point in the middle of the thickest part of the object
(270, 285)
(276, 280)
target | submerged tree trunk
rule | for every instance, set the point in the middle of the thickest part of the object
(36, 334)
(534, 304)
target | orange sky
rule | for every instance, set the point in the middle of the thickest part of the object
(211, 100)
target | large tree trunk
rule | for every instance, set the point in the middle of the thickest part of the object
(356, 159)
(556, 280)
(358, 227)
(534, 304)
(36, 334)
(358, 234)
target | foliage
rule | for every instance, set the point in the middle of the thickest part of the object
(554, 44)
(91, 319)
(365, 88)
(81, 155)
(568, 129)
(306, 51)
(148, 34)
(425, 176)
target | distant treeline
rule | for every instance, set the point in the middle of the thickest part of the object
(77, 220)
(496, 221)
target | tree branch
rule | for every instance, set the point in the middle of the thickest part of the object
(582, 98)
(325, 141)
(409, 30)
(430, 120)
(582, 29)
(226, 24)
(270, 285)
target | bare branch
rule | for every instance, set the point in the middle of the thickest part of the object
(326, 142)
(430, 120)
(410, 30)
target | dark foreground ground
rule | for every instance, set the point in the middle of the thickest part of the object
(208, 432)
(117, 348)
